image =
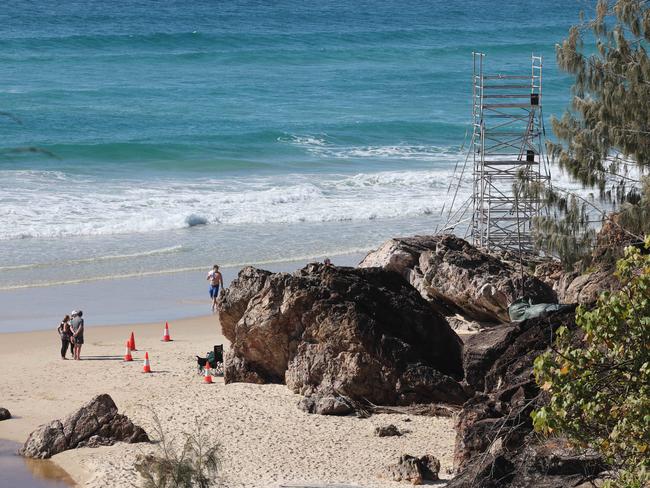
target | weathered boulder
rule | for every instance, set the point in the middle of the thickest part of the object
(332, 333)
(586, 288)
(414, 470)
(234, 299)
(326, 404)
(454, 275)
(95, 424)
(387, 431)
(4, 414)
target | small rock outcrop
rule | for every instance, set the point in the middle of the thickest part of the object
(387, 431)
(326, 403)
(4, 414)
(335, 333)
(414, 470)
(456, 276)
(95, 424)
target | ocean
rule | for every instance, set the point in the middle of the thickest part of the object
(151, 139)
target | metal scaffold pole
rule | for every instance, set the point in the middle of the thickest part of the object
(507, 149)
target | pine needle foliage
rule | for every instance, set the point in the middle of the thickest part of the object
(598, 377)
(604, 136)
(610, 111)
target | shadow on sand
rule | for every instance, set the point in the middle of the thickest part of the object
(102, 358)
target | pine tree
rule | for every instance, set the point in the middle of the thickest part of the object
(604, 136)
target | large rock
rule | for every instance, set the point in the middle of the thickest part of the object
(452, 273)
(95, 424)
(4, 414)
(334, 334)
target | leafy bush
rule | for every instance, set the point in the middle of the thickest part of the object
(598, 378)
(195, 464)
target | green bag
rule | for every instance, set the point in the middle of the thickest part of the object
(524, 309)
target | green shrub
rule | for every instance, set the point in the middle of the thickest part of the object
(194, 464)
(598, 379)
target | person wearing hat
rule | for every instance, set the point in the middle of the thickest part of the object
(77, 326)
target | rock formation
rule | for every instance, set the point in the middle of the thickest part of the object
(95, 424)
(456, 276)
(414, 470)
(4, 414)
(586, 288)
(335, 334)
(495, 445)
(387, 431)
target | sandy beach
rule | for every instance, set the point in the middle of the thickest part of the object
(266, 440)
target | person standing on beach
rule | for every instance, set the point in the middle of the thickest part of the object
(78, 334)
(216, 281)
(65, 332)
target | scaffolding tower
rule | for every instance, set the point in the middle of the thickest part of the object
(507, 147)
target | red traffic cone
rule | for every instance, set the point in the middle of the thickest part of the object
(132, 342)
(166, 337)
(146, 368)
(207, 377)
(127, 354)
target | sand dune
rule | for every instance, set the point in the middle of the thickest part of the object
(265, 439)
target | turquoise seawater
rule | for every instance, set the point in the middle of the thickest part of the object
(173, 134)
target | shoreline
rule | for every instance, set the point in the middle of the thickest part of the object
(133, 300)
(266, 440)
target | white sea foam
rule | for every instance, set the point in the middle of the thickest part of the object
(304, 140)
(53, 204)
(322, 147)
(46, 204)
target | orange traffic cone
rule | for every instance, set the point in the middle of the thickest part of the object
(127, 354)
(146, 368)
(132, 342)
(207, 377)
(166, 337)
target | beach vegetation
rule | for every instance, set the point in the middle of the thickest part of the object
(192, 461)
(597, 377)
(603, 138)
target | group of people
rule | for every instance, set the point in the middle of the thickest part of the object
(71, 331)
